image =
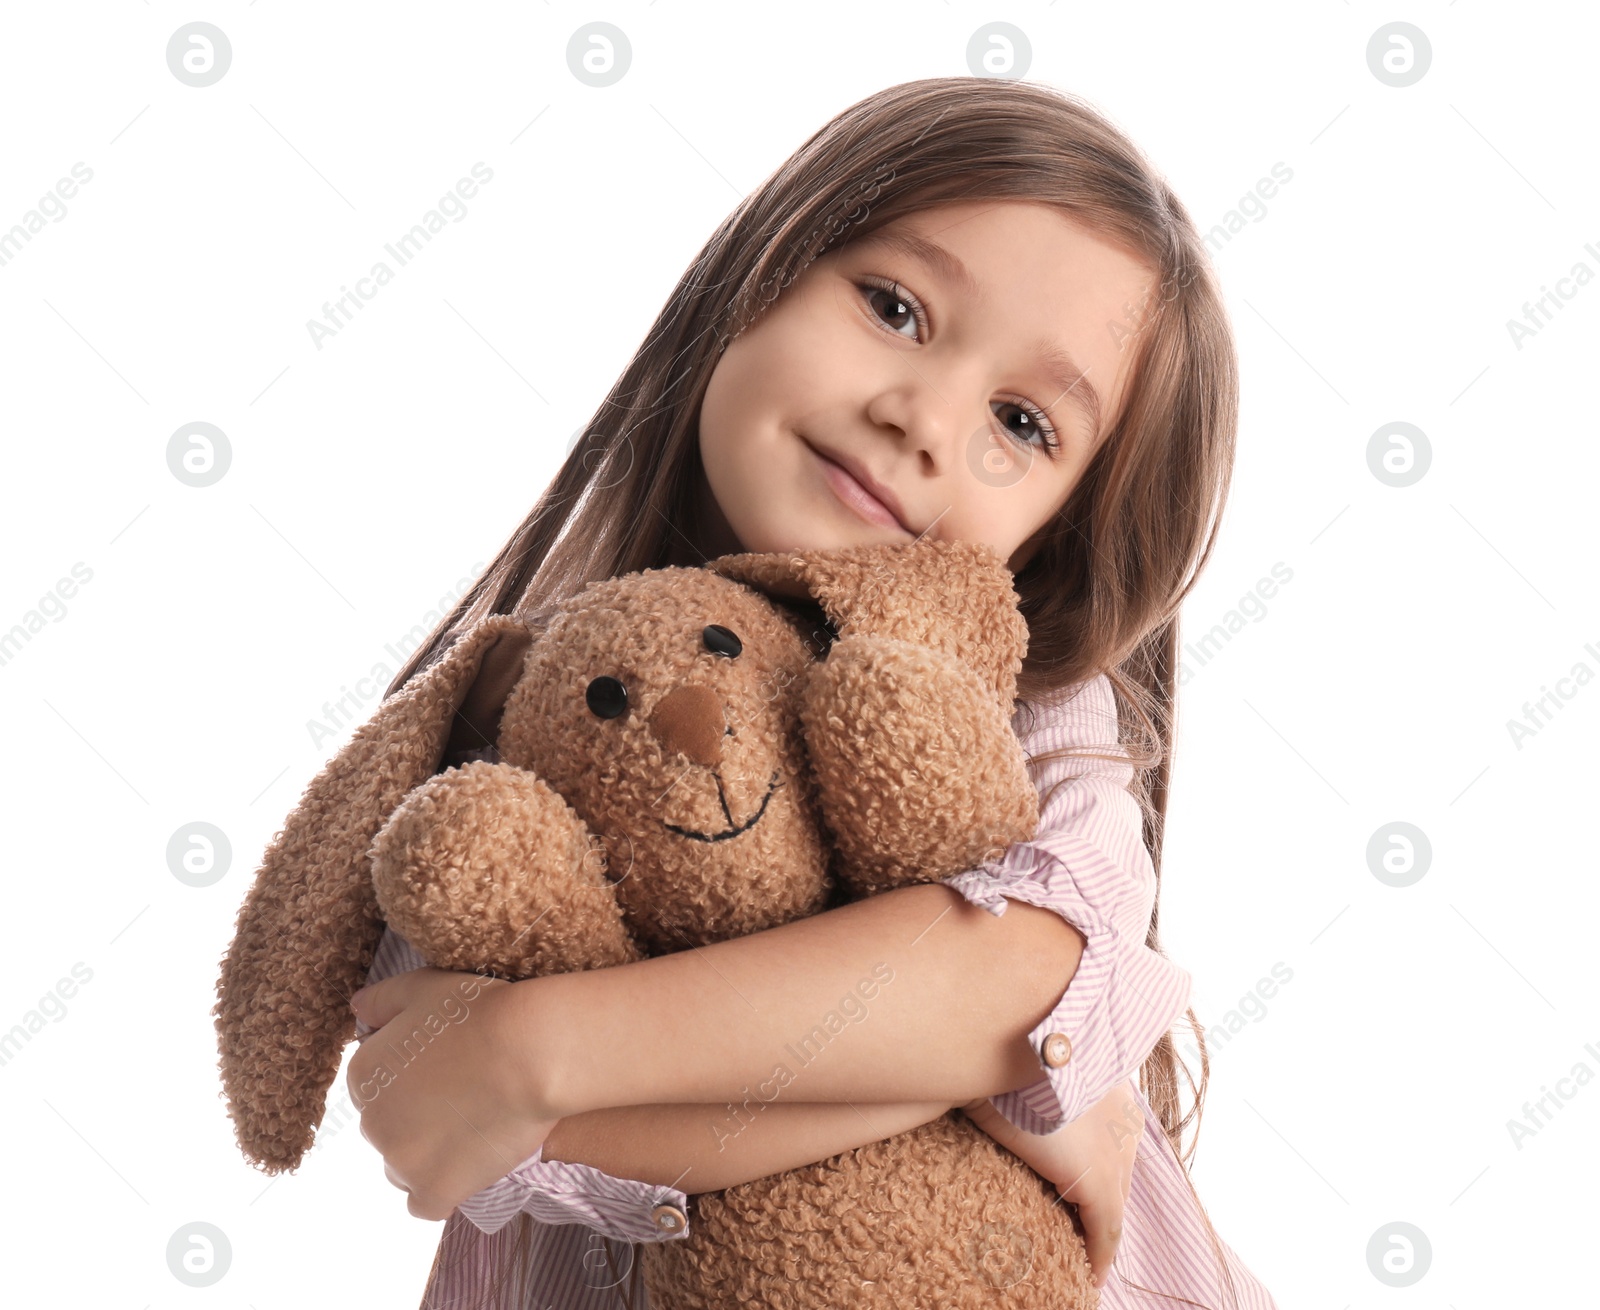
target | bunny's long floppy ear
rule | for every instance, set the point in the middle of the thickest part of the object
(310, 924)
(955, 596)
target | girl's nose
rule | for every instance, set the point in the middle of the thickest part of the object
(689, 719)
(924, 420)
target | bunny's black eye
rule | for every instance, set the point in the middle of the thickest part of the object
(721, 641)
(607, 697)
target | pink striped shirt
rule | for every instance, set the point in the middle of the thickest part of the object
(1088, 863)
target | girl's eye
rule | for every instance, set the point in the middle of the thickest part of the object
(1034, 424)
(890, 295)
(886, 291)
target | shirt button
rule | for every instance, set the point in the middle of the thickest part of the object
(668, 1218)
(1056, 1049)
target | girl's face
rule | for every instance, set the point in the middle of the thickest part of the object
(948, 376)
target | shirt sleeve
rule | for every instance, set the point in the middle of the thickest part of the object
(1088, 863)
(552, 1191)
(555, 1192)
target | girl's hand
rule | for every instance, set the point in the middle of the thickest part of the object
(441, 1086)
(1090, 1161)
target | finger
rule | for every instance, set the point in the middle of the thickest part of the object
(1102, 1232)
(361, 1003)
(377, 1003)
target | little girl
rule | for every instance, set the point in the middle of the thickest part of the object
(966, 309)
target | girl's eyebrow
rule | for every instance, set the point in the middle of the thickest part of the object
(939, 259)
(1073, 381)
(1059, 366)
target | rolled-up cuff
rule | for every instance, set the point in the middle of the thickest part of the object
(1120, 1001)
(556, 1192)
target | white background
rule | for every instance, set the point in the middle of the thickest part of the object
(370, 476)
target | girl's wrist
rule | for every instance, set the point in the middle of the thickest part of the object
(570, 1049)
(532, 1049)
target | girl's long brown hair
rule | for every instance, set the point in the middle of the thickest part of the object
(1102, 592)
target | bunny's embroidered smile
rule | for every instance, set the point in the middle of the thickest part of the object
(772, 785)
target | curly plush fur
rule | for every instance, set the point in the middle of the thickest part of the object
(735, 791)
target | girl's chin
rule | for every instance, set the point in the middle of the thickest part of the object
(814, 532)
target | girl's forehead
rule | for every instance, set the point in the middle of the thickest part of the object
(970, 245)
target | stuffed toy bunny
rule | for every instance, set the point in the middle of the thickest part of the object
(684, 755)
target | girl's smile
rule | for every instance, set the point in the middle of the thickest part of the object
(865, 494)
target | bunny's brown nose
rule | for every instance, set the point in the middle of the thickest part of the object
(689, 719)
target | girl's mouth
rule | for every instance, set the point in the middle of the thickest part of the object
(856, 496)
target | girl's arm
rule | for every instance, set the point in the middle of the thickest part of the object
(705, 1148)
(911, 995)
